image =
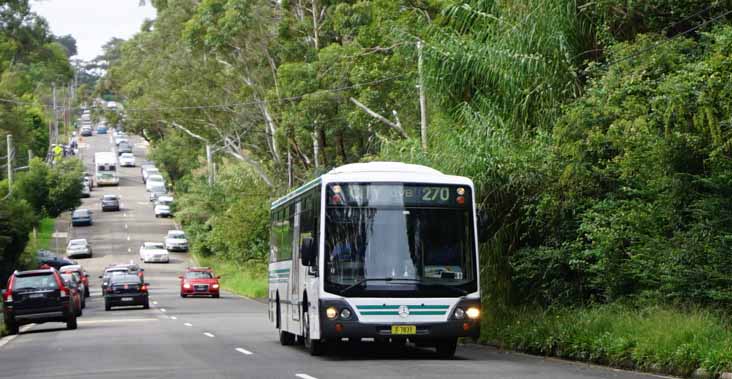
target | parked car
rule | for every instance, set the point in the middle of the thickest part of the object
(82, 274)
(162, 206)
(199, 281)
(86, 131)
(156, 192)
(126, 290)
(124, 147)
(146, 172)
(110, 203)
(89, 180)
(121, 139)
(81, 216)
(127, 160)
(154, 181)
(154, 252)
(37, 296)
(49, 259)
(143, 167)
(72, 282)
(85, 190)
(78, 247)
(176, 241)
(101, 129)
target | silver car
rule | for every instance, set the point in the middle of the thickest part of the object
(78, 248)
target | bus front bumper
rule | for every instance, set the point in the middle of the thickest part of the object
(353, 328)
(424, 331)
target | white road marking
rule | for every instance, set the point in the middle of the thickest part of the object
(6, 340)
(115, 321)
(173, 318)
(59, 235)
(129, 249)
(162, 310)
(209, 335)
(155, 302)
(125, 226)
(305, 376)
(124, 214)
(187, 324)
(243, 351)
(128, 238)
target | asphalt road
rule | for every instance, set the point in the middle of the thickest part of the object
(207, 338)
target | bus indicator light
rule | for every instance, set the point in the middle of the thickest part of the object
(460, 200)
(461, 191)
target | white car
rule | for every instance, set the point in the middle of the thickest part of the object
(162, 210)
(127, 160)
(148, 171)
(154, 252)
(154, 181)
(176, 241)
(119, 140)
(78, 247)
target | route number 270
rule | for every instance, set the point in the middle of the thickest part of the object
(435, 194)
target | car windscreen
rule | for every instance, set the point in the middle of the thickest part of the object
(125, 279)
(77, 243)
(80, 213)
(35, 282)
(198, 275)
(176, 235)
(154, 246)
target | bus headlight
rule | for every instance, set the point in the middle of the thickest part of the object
(331, 312)
(459, 313)
(345, 313)
(473, 313)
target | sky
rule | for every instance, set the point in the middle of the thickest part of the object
(93, 22)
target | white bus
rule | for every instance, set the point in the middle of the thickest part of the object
(384, 251)
(105, 168)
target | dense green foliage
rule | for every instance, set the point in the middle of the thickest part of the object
(32, 60)
(597, 133)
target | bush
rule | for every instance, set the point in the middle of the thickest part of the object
(651, 338)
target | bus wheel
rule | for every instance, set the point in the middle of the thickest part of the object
(286, 338)
(315, 347)
(446, 348)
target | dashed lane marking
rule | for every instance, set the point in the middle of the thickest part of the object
(244, 351)
(162, 310)
(128, 238)
(187, 324)
(173, 318)
(129, 249)
(305, 376)
(125, 226)
(209, 335)
(155, 302)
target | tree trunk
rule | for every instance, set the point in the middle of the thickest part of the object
(321, 135)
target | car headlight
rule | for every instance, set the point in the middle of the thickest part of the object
(186, 285)
(473, 313)
(215, 286)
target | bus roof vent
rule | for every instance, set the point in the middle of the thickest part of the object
(384, 167)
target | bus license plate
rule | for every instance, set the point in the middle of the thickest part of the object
(403, 329)
(126, 299)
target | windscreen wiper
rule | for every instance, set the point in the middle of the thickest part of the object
(440, 285)
(364, 281)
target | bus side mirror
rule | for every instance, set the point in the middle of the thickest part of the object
(307, 251)
(484, 223)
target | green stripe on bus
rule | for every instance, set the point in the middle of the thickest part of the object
(390, 313)
(377, 306)
(393, 313)
(427, 313)
(428, 306)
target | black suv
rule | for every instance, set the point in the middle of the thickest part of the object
(124, 290)
(110, 203)
(37, 296)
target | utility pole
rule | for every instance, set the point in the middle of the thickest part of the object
(10, 163)
(54, 137)
(209, 164)
(422, 99)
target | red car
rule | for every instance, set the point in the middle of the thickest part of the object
(82, 274)
(199, 281)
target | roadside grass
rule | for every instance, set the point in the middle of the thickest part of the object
(45, 232)
(249, 280)
(659, 339)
